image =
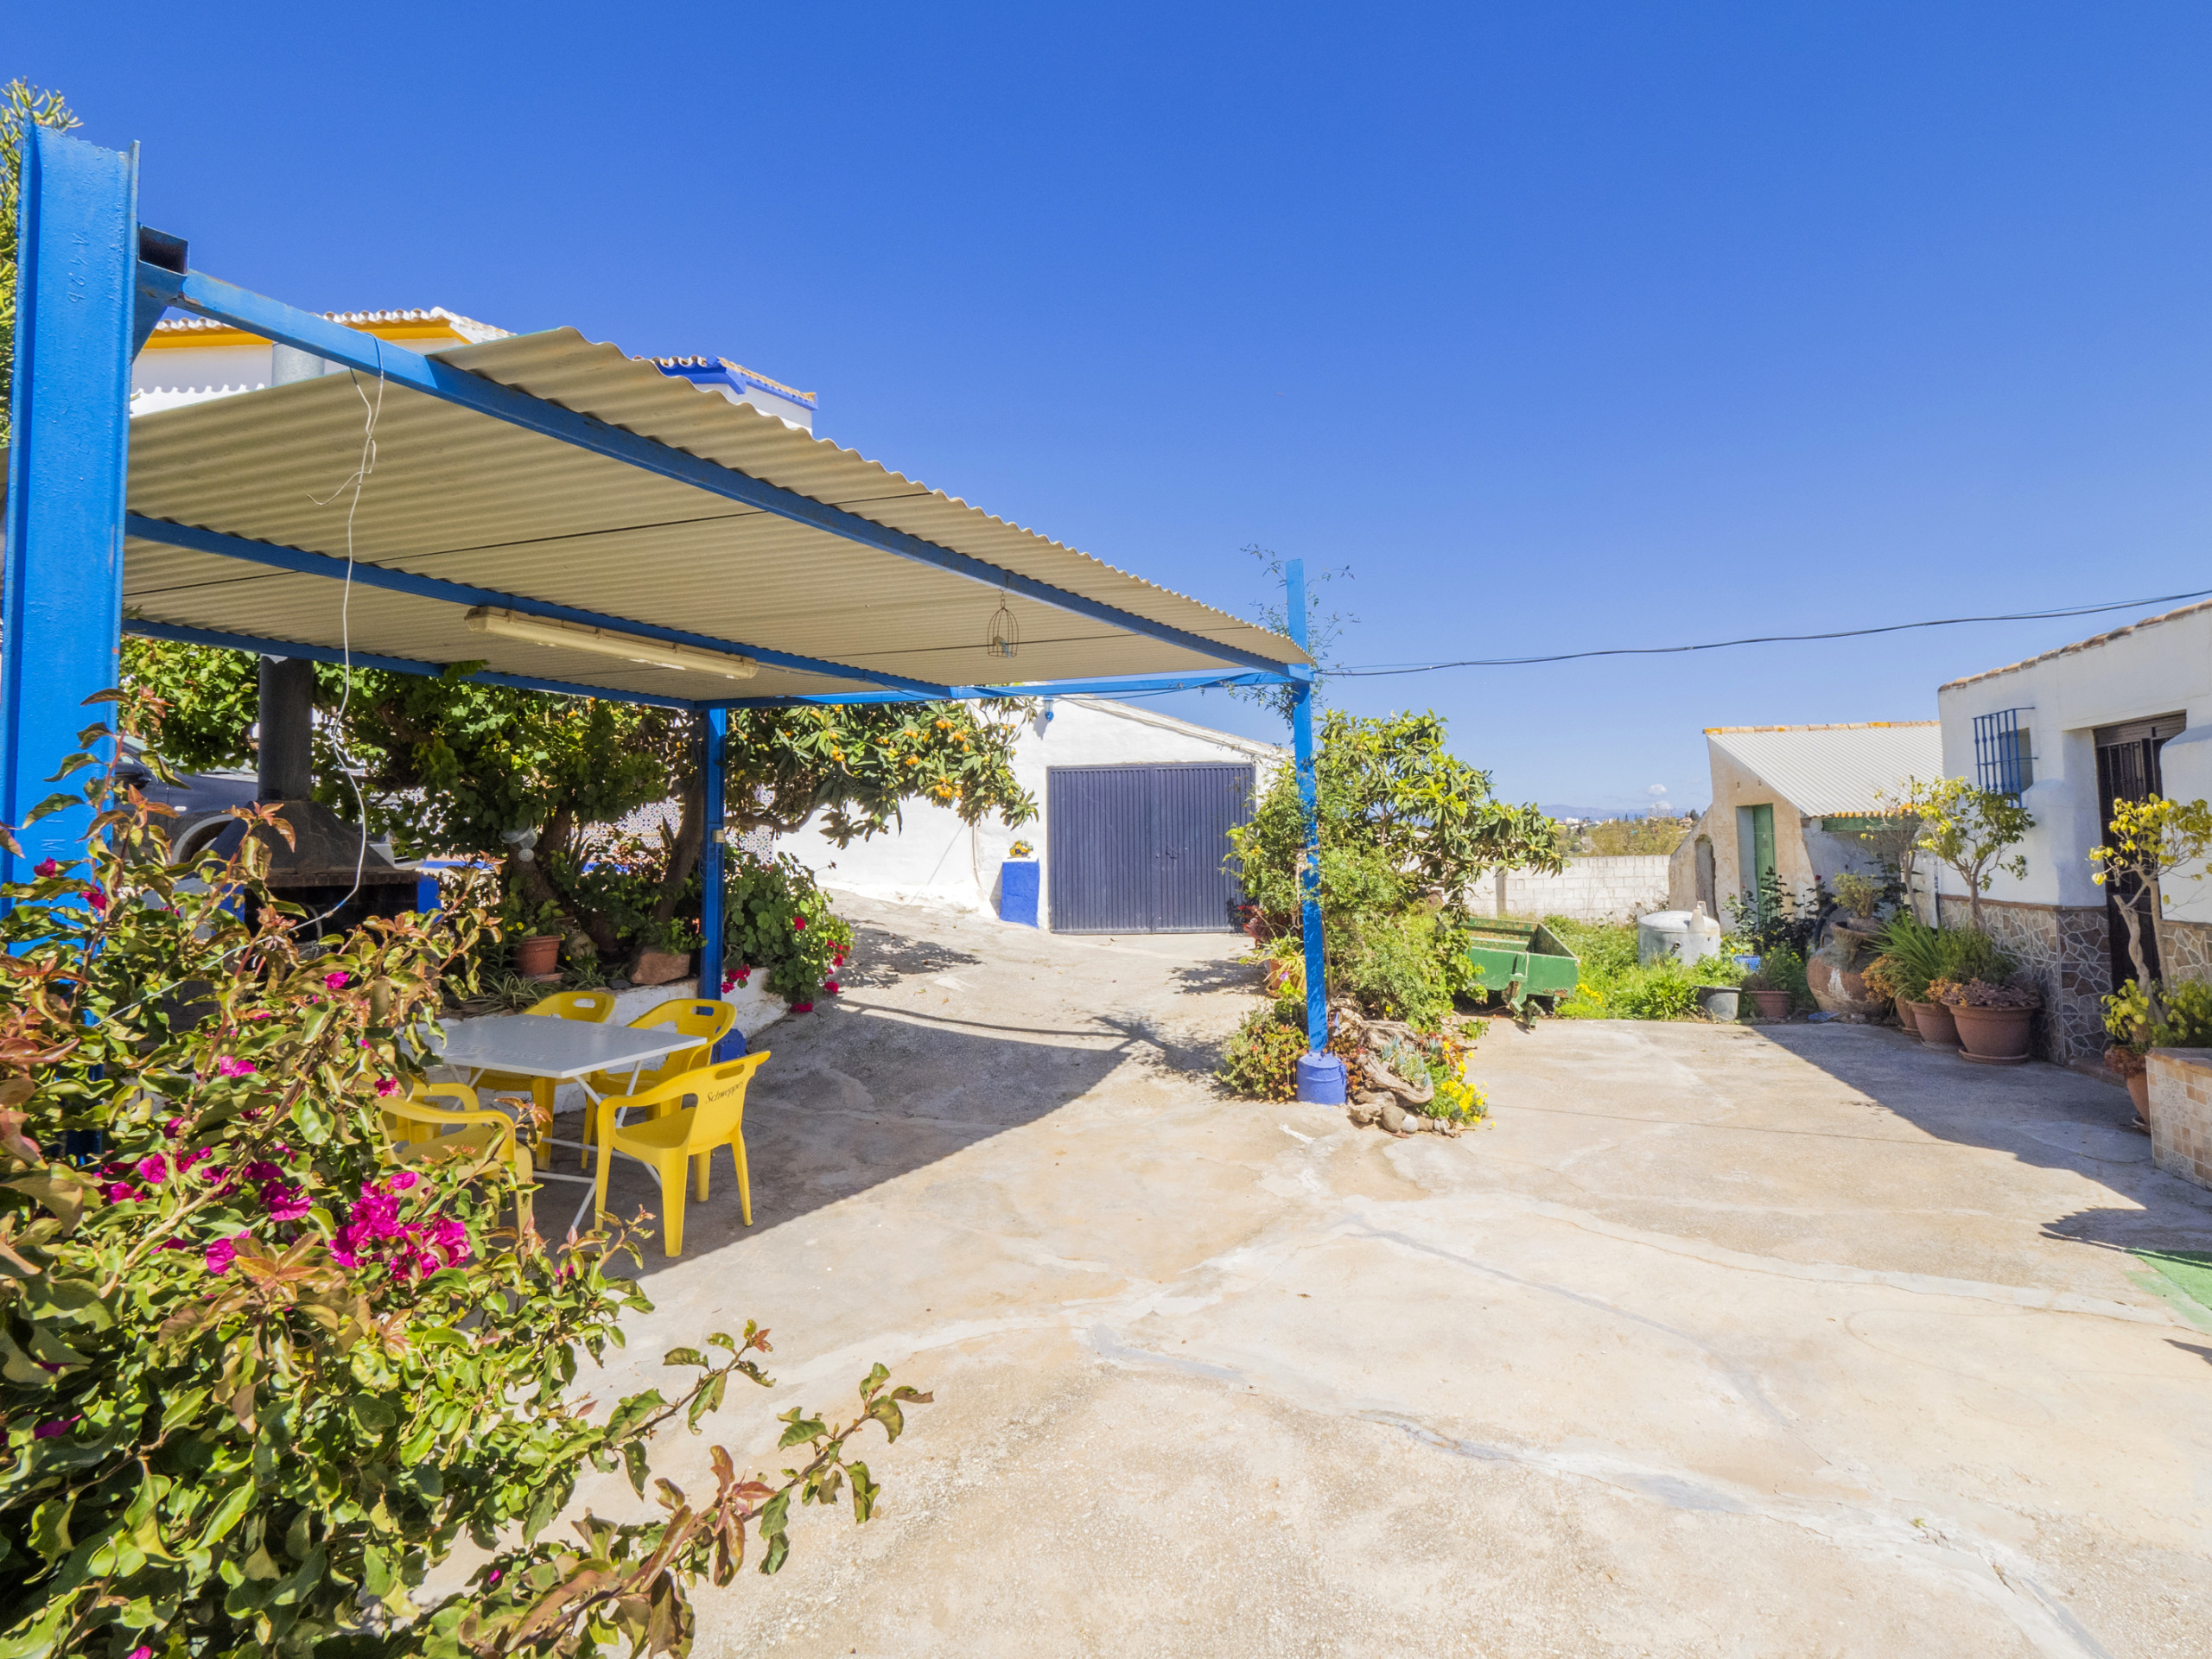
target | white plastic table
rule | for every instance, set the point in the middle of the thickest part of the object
(566, 1051)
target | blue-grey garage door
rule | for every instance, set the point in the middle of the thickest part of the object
(1140, 850)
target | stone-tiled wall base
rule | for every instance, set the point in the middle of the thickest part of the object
(2188, 949)
(2061, 950)
(2181, 1112)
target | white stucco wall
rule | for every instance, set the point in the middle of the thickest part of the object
(934, 858)
(2159, 668)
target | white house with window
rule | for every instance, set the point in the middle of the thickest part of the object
(2120, 717)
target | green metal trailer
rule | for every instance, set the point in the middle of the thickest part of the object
(1519, 962)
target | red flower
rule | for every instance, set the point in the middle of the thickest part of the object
(801, 1007)
(96, 899)
(337, 981)
(47, 868)
(386, 1086)
(798, 924)
(833, 987)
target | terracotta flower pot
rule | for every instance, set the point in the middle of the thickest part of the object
(1771, 1004)
(2138, 1090)
(539, 954)
(1934, 1025)
(1993, 1036)
(1906, 1018)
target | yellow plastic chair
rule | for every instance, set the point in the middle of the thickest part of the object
(692, 1016)
(423, 1133)
(676, 1136)
(593, 1007)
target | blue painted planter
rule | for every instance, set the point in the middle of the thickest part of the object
(1017, 890)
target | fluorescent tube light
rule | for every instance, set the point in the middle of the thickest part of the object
(578, 636)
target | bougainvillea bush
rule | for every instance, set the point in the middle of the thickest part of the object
(257, 1378)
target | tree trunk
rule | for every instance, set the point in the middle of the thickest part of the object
(2143, 980)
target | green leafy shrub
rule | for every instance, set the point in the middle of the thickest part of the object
(779, 923)
(2188, 1024)
(1260, 1062)
(1405, 828)
(256, 1378)
(1612, 985)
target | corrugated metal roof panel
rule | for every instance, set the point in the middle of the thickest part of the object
(466, 498)
(1824, 770)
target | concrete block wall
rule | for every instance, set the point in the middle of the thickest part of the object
(1588, 890)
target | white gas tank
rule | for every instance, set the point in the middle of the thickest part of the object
(1689, 934)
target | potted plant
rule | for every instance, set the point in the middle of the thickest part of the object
(664, 954)
(1992, 1020)
(1772, 1000)
(1911, 955)
(1720, 981)
(1859, 897)
(2127, 1020)
(1018, 884)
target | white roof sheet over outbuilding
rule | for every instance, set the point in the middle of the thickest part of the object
(1835, 770)
(465, 498)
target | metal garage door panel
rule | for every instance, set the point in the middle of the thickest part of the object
(1100, 853)
(1140, 850)
(1198, 806)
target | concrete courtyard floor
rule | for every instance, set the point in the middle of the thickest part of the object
(1721, 1341)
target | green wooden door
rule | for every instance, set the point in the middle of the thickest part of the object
(1754, 848)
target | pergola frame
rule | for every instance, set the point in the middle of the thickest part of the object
(92, 284)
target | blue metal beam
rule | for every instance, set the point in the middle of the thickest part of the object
(1129, 686)
(1321, 1077)
(458, 592)
(197, 292)
(712, 923)
(390, 664)
(62, 593)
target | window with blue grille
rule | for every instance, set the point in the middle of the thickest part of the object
(2004, 757)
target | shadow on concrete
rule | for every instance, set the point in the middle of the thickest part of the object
(1198, 978)
(856, 1096)
(2042, 1114)
(879, 957)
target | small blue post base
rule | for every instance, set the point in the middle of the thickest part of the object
(1321, 1079)
(1018, 892)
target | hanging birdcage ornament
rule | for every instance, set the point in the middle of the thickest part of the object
(1006, 634)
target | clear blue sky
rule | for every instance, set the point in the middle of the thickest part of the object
(1600, 325)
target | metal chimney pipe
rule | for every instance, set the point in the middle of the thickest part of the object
(287, 758)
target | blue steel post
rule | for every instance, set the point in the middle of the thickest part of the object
(61, 604)
(1320, 1074)
(711, 921)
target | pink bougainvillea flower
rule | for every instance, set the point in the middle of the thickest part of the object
(121, 1192)
(284, 1201)
(337, 981)
(262, 1013)
(174, 1127)
(492, 1577)
(140, 1652)
(96, 898)
(155, 1170)
(221, 1254)
(60, 1426)
(401, 1181)
(387, 1087)
(231, 1066)
(47, 868)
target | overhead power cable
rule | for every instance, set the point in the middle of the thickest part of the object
(1378, 670)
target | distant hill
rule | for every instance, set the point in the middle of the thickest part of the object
(1557, 810)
